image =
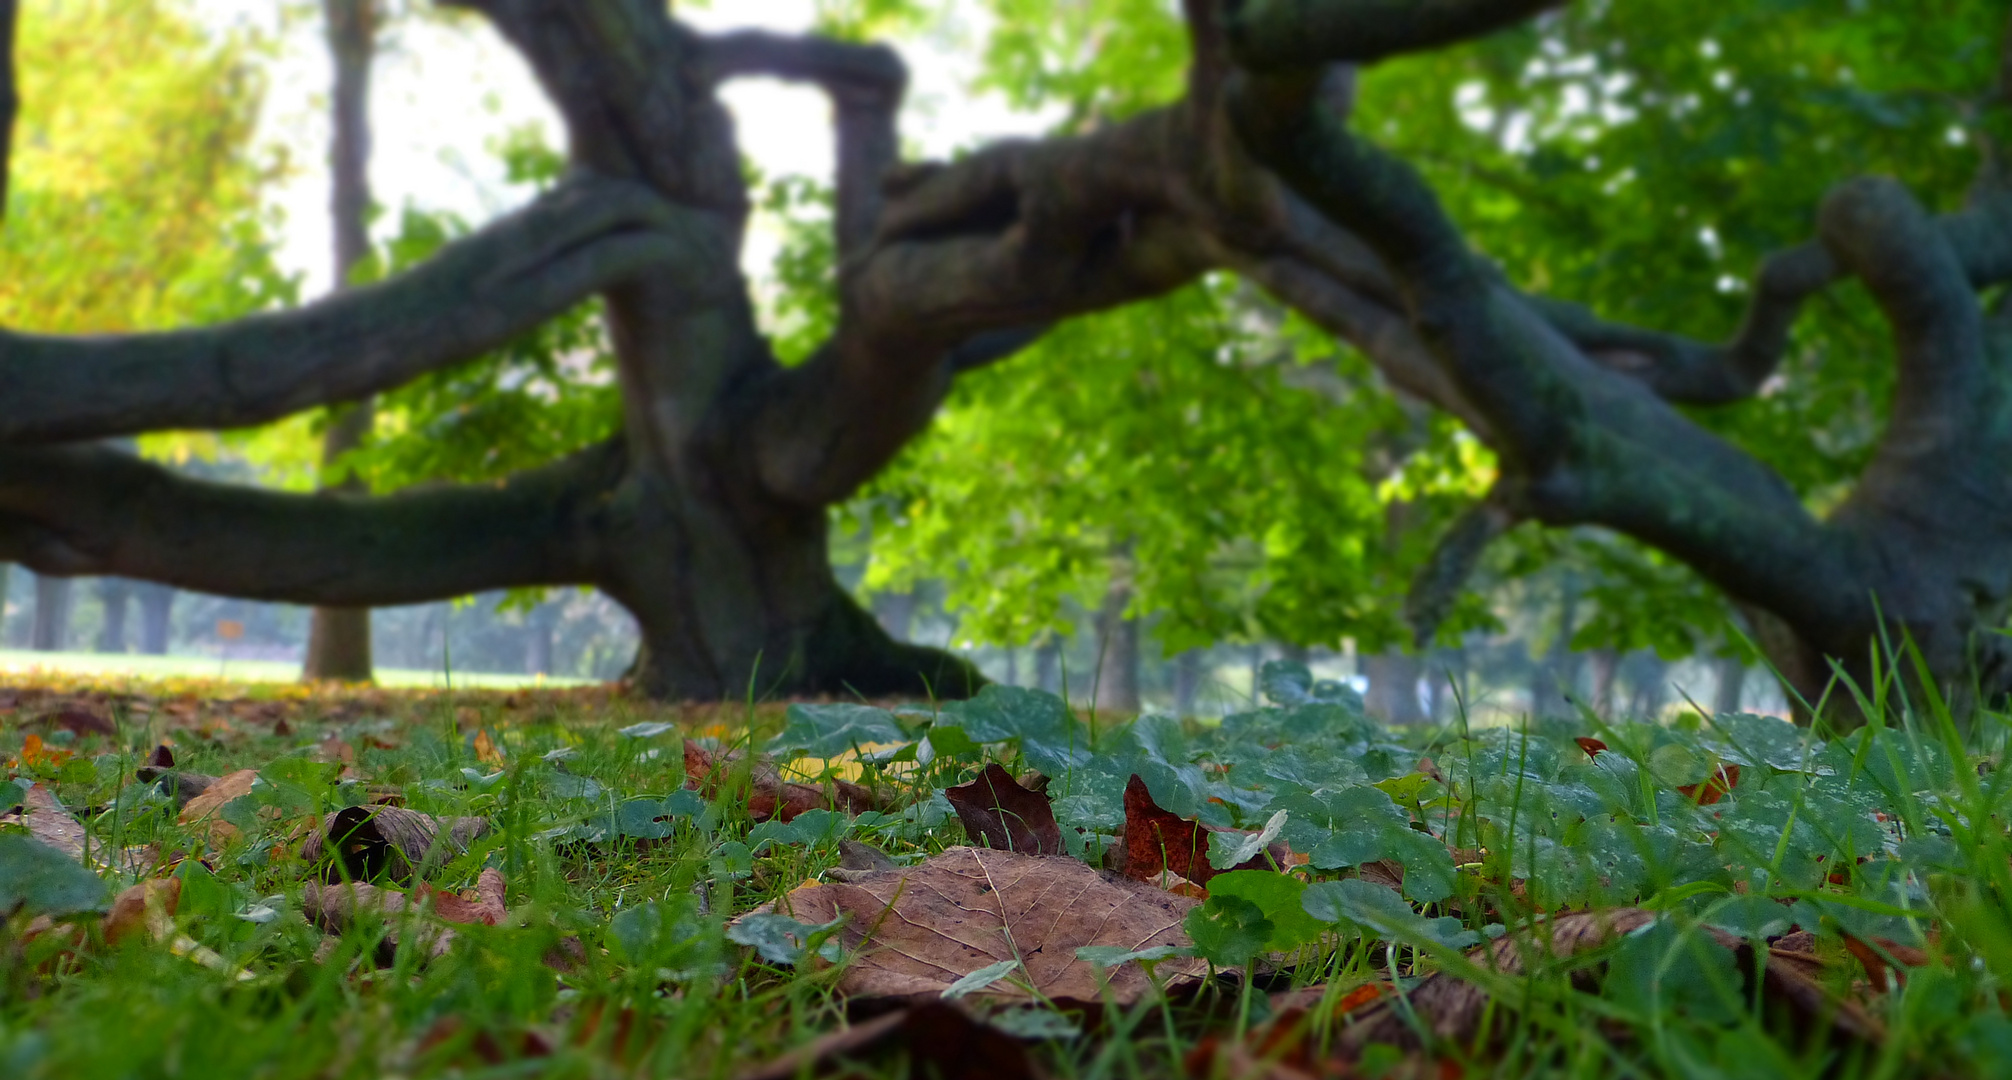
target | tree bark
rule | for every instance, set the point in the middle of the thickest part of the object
(1730, 693)
(338, 639)
(157, 605)
(1393, 687)
(1187, 682)
(1117, 675)
(1048, 664)
(51, 632)
(115, 593)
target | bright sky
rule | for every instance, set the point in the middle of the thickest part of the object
(441, 95)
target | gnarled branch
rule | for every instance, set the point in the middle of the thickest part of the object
(1273, 34)
(68, 510)
(476, 294)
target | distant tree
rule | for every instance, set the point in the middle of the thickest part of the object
(1627, 156)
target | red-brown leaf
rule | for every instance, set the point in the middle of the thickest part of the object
(996, 809)
(1156, 842)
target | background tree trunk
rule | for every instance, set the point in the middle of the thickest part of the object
(1730, 693)
(338, 640)
(1187, 682)
(114, 593)
(157, 606)
(1393, 687)
(1048, 664)
(539, 627)
(52, 613)
(1606, 667)
(896, 612)
(1117, 675)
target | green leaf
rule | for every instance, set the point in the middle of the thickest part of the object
(980, 979)
(1228, 931)
(1382, 913)
(1280, 897)
(780, 939)
(40, 880)
(1227, 849)
(830, 730)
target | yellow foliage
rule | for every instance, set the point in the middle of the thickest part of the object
(133, 186)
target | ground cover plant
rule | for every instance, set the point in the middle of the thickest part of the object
(577, 883)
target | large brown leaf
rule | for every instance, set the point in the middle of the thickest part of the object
(1157, 843)
(203, 808)
(996, 809)
(916, 930)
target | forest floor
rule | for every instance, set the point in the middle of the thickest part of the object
(219, 879)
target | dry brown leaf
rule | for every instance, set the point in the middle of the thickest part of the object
(82, 721)
(486, 751)
(996, 809)
(938, 1039)
(148, 907)
(374, 841)
(916, 930)
(1158, 843)
(48, 821)
(178, 785)
(203, 807)
(335, 907)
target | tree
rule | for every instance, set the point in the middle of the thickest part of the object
(338, 641)
(707, 516)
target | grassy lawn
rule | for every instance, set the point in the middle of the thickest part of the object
(17, 662)
(568, 882)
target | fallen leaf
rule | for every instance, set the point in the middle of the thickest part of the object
(1590, 745)
(485, 749)
(857, 859)
(48, 821)
(1879, 954)
(148, 907)
(1708, 791)
(204, 806)
(915, 931)
(181, 786)
(82, 722)
(937, 1038)
(337, 907)
(485, 906)
(35, 752)
(996, 809)
(1157, 843)
(373, 841)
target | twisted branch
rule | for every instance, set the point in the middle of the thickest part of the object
(473, 296)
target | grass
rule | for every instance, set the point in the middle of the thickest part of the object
(24, 663)
(1893, 839)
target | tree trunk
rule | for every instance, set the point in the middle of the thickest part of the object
(157, 605)
(1117, 675)
(1048, 664)
(52, 613)
(338, 640)
(539, 627)
(1730, 693)
(1187, 682)
(1012, 666)
(1393, 687)
(1555, 681)
(1606, 666)
(115, 593)
(896, 612)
